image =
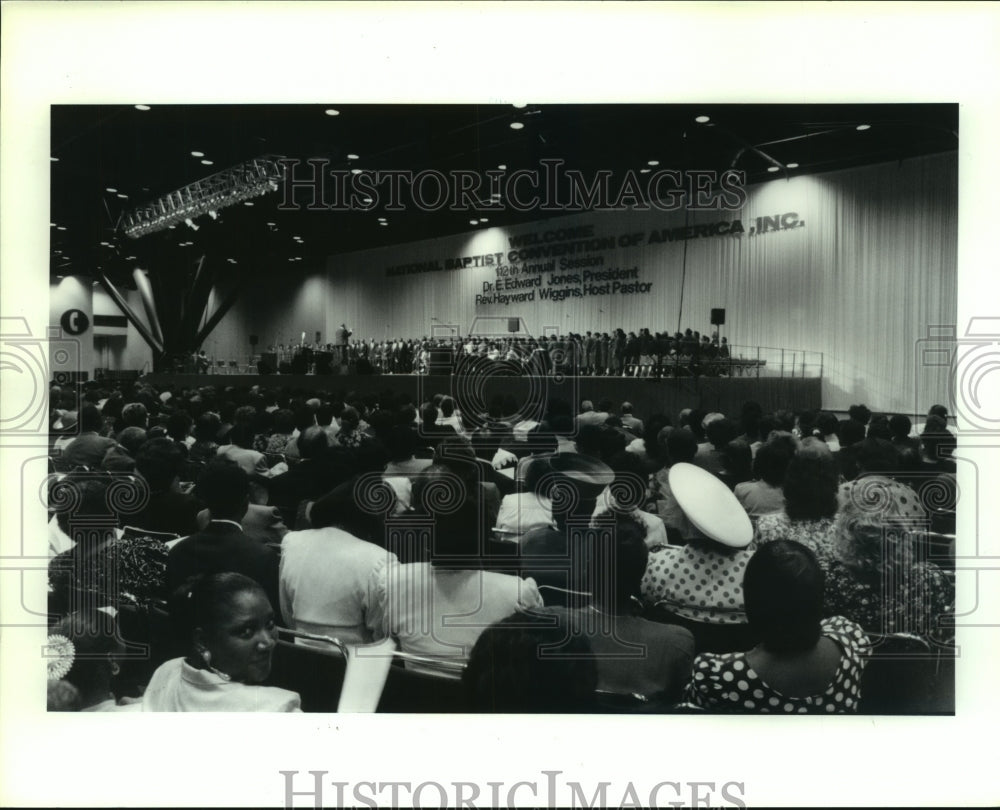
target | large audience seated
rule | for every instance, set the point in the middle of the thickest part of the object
(586, 558)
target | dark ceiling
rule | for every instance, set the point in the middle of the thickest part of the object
(147, 153)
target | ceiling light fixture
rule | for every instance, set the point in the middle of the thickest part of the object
(483, 219)
(773, 168)
(652, 163)
(502, 167)
(473, 221)
(143, 107)
(863, 127)
(111, 190)
(207, 163)
(332, 112)
(352, 156)
(60, 227)
(122, 196)
(54, 159)
(516, 125)
(792, 165)
(644, 171)
(355, 171)
(248, 204)
(197, 154)
(702, 119)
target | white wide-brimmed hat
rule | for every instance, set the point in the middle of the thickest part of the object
(710, 506)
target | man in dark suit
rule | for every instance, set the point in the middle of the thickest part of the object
(159, 462)
(317, 474)
(223, 545)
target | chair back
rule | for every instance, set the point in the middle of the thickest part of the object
(708, 637)
(900, 677)
(314, 669)
(132, 532)
(422, 691)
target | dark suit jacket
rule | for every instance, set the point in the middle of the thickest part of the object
(260, 523)
(224, 547)
(174, 512)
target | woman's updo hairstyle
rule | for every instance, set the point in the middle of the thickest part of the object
(203, 601)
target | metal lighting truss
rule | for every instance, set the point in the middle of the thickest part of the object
(228, 187)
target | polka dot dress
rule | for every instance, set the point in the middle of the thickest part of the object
(698, 582)
(728, 683)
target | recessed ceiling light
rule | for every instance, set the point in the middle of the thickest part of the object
(60, 227)
(54, 159)
(652, 163)
(248, 204)
(483, 219)
(130, 258)
(271, 224)
(367, 200)
(171, 227)
(863, 127)
(473, 221)
(197, 154)
(122, 196)
(644, 171)
(111, 190)
(384, 224)
(702, 119)
(352, 156)
(332, 112)
(516, 125)
(520, 105)
(381, 219)
(355, 171)
(502, 167)
(142, 107)
(52, 224)
(772, 168)
(793, 165)
(206, 162)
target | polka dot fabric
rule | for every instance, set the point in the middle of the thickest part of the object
(816, 535)
(727, 683)
(698, 583)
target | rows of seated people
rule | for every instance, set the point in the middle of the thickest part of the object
(695, 562)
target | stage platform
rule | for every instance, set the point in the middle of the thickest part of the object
(670, 395)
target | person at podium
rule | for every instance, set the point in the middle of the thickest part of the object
(341, 337)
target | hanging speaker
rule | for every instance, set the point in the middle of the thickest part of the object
(513, 324)
(318, 335)
(253, 340)
(718, 317)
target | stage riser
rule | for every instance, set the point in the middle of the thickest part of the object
(723, 394)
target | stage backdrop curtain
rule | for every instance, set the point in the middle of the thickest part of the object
(856, 287)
